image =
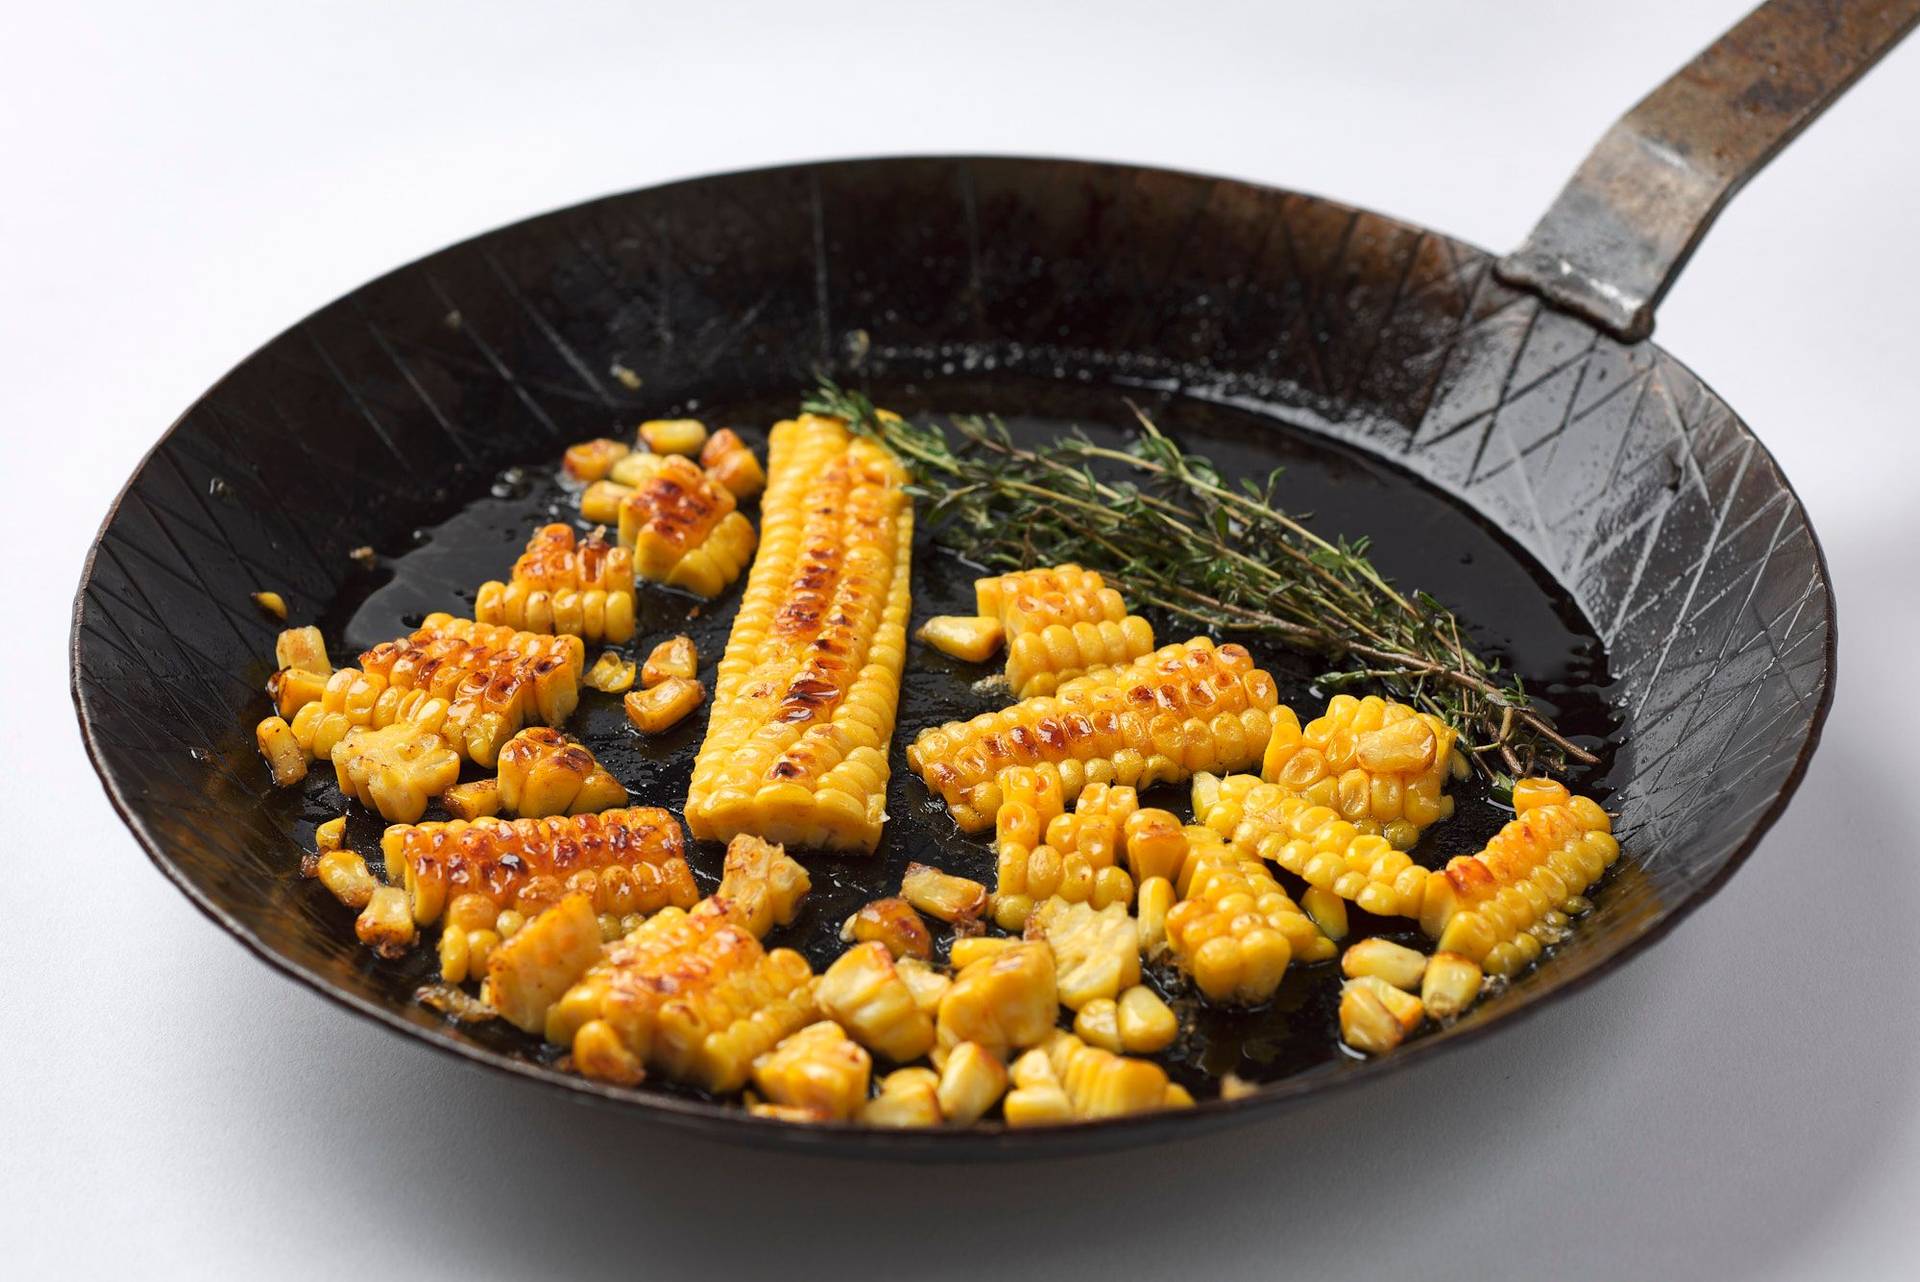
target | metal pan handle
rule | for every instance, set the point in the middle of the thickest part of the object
(1629, 219)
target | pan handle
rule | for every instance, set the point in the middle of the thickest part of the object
(1629, 218)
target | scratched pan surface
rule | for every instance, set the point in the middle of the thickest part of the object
(1592, 509)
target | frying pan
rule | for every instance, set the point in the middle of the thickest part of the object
(1523, 390)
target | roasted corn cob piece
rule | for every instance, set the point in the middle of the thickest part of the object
(395, 770)
(1496, 908)
(527, 974)
(683, 528)
(1099, 1083)
(1180, 710)
(1040, 852)
(763, 883)
(1235, 931)
(1266, 821)
(819, 1071)
(543, 772)
(726, 459)
(864, 991)
(583, 588)
(690, 994)
(894, 923)
(1381, 765)
(1003, 1002)
(1096, 952)
(1059, 623)
(796, 748)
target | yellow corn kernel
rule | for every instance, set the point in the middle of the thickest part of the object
(510, 920)
(961, 636)
(1383, 959)
(726, 459)
(1166, 716)
(1156, 844)
(969, 949)
(1379, 765)
(292, 689)
(543, 772)
(866, 994)
(386, 923)
(611, 673)
(927, 984)
(1146, 1023)
(971, 1083)
(891, 922)
(674, 435)
(472, 800)
(1096, 953)
(303, 650)
(600, 502)
(818, 1070)
(346, 875)
(674, 657)
(763, 883)
(285, 761)
(664, 706)
(453, 956)
(1365, 1023)
(1328, 910)
(591, 460)
(1099, 1083)
(1402, 1005)
(806, 695)
(1003, 1002)
(395, 770)
(1531, 793)
(530, 972)
(943, 895)
(581, 587)
(1037, 1106)
(330, 835)
(1098, 1024)
(271, 603)
(683, 527)
(1152, 904)
(908, 1097)
(1452, 983)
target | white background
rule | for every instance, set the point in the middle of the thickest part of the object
(178, 183)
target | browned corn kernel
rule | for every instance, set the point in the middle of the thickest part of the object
(285, 761)
(962, 636)
(818, 1070)
(475, 800)
(271, 603)
(965, 952)
(674, 435)
(330, 835)
(674, 657)
(303, 650)
(1328, 910)
(611, 673)
(1147, 1024)
(1151, 906)
(386, 924)
(943, 895)
(1452, 983)
(530, 972)
(1098, 1024)
(567, 584)
(1096, 952)
(292, 689)
(907, 1097)
(1156, 844)
(1402, 1005)
(763, 883)
(1382, 958)
(663, 706)
(864, 991)
(892, 922)
(543, 772)
(1040, 1105)
(928, 985)
(600, 502)
(1003, 1002)
(395, 770)
(971, 1082)
(346, 875)
(728, 461)
(1366, 1024)
(591, 460)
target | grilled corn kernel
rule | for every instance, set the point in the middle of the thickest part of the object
(1328, 910)
(591, 460)
(1164, 717)
(1405, 1008)
(907, 1097)
(963, 637)
(563, 584)
(1383, 959)
(475, 800)
(664, 706)
(943, 895)
(1452, 983)
(928, 985)
(1151, 906)
(1531, 793)
(674, 435)
(818, 1070)
(527, 974)
(866, 994)
(806, 695)
(971, 1083)
(1156, 844)
(674, 657)
(966, 951)
(682, 526)
(1380, 765)
(1365, 1023)
(763, 883)
(271, 603)
(1096, 952)
(611, 673)
(346, 875)
(386, 923)
(600, 502)
(891, 922)
(1147, 1024)
(330, 835)
(1099, 1083)
(395, 770)
(728, 461)
(1003, 1002)
(1098, 1024)
(1036, 1106)
(543, 772)
(302, 649)
(292, 689)
(284, 758)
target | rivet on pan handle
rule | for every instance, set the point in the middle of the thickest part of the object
(1627, 222)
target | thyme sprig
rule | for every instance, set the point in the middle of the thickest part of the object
(1172, 533)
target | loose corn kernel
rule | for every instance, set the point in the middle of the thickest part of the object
(1146, 1023)
(453, 956)
(818, 1070)
(600, 502)
(972, 1082)
(674, 657)
(1382, 958)
(1531, 793)
(1003, 1002)
(302, 649)
(1365, 1023)
(1036, 1106)
(386, 923)
(1096, 953)
(908, 1097)
(674, 435)
(611, 673)
(1098, 1024)
(943, 895)
(868, 996)
(330, 835)
(1402, 1005)
(962, 637)
(292, 689)
(475, 800)
(1451, 985)
(271, 603)
(726, 459)
(346, 874)
(1151, 906)
(894, 923)
(763, 883)
(543, 772)
(927, 984)
(663, 706)
(970, 949)
(591, 460)
(1328, 910)
(284, 757)
(527, 974)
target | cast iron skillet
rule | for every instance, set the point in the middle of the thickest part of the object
(1030, 287)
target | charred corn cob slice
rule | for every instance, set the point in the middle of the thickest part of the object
(1099, 1083)
(1495, 908)
(1038, 661)
(894, 923)
(819, 1071)
(864, 991)
(1380, 765)
(683, 528)
(726, 459)
(1003, 1002)
(1096, 952)
(1060, 622)
(395, 770)
(1178, 711)
(625, 861)
(583, 588)
(1234, 930)
(796, 747)
(1266, 821)
(689, 994)
(542, 772)
(763, 883)
(527, 974)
